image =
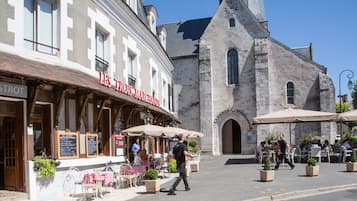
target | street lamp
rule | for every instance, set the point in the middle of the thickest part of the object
(350, 74)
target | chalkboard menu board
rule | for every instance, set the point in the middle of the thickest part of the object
(67, 145)
(92, 145)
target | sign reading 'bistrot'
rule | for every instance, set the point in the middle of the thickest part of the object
(13, 90)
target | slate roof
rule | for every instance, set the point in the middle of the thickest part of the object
(305, 51)
(183, 37)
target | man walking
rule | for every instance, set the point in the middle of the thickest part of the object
(180, 152)
(281, 154)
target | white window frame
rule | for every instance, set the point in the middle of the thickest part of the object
(131, 47)
(152, 22)
(163, 39)
(133, 5)
(132, 67)
(164, 92)
(154, 81)
(44, 43)
(102, 57)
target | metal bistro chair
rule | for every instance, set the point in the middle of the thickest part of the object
(316, 153)
(325, 153)
(345, 153)
(302, 154)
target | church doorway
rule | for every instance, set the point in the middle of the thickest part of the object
(231, 138)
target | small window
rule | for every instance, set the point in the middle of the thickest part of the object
(232, 22)
(165, 94)
(232, 65)
(290, 93)
(154, 83)
(101, 52)
(41, 26)
(132, 69)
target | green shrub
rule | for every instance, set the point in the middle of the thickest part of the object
(151, 174)
(353, 157)
(311, 162)
(193, 146)
(172, 166)
(270, 138)
(45, 167)
(267, 164)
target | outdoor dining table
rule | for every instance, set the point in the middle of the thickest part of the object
(141, 170)
(96, 181)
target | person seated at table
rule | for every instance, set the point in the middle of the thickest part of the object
(143, 157)
(348, 144)
(336, 147)
(326, 146)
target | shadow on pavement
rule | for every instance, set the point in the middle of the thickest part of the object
(237, 161)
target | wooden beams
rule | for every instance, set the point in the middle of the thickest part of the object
(81, 102)
(34, 90)
(59, 100)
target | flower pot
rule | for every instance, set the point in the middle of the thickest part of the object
(312, 170)
(152, 186)
(195, 167)
(351, 167)
(266, 175)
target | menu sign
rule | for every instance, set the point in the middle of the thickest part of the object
(68, 146)
(92, 145)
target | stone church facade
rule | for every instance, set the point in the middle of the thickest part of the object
(228, 70)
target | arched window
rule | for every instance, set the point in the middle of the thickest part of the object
(232, 61)
(290, 93)
(232, 22)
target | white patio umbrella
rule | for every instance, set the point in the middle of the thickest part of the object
(195, 134)
(151, 130)
(173, 131)
(348, 116)
(294, 116)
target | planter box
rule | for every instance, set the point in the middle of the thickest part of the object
(351, 167)
(266, 175)
(195, 167)
(152, 186)
(312, 170)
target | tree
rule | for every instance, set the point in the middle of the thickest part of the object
(344, 107)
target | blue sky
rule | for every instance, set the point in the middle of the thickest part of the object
(330, 25)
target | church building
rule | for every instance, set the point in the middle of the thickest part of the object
(228, 70)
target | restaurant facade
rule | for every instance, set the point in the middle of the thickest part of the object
(73, 74)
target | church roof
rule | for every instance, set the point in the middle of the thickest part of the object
(183, 37)
(305, 51)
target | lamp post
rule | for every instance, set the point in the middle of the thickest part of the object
(350, 74)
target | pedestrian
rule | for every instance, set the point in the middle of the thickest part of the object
(281, 154)
(180, 152)
(134, 150)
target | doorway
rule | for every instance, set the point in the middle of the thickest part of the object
(11, 146)
(104, 133)
(231, 138)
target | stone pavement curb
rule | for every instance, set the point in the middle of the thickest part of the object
(304, 193)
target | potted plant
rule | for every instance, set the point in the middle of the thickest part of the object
(195, 149)
(267, 174)
(172, 166)
(351, 166)
(311, 169)
(151, 182)
(45, 167)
